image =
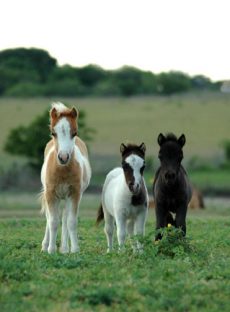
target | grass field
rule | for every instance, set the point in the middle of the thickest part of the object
(203, 117)
(176, 276)
(179, 275)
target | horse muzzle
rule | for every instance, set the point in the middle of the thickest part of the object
(63, 158)
(170, 177)
(134, 188)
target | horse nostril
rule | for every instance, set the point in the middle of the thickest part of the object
(60, 158)
(131, 186)
(63, 158)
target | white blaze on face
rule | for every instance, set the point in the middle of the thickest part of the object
(136, 163)
(64, 139)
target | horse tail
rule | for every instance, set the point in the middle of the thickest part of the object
(100, 215)
(170, 219)
(43, 202)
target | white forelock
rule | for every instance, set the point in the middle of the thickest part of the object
(60, 107)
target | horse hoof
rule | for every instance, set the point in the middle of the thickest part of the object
(75, 250)
(52, 250)
(64, 250)
(44, 248)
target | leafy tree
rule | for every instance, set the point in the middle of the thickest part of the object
(91, 74)
(33, 72)
(24, 65)
(173, 82)
(128, 80)
(30, 141)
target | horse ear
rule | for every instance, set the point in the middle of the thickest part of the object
(74, 112)
(182, 140)
(142, 147)
(161, 139)
(53, 113)
(123, 147)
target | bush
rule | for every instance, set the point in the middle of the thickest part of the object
(226, 146)
(25, 89)
(65, 87)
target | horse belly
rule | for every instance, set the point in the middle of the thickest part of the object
(108, 198)
(110, 192)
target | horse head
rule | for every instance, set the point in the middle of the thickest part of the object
(170, 155)
(63, 127)
(133, 164)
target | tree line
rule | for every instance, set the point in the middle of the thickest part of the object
(33, 72)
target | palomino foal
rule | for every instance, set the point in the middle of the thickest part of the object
(125, 197)
(65, 175)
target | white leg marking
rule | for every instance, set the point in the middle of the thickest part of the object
(72, 224)
(53, 227)
(121, 231)
(46, 239)
(64, 235)
(130, 227)
(108, 229)
(139, 228)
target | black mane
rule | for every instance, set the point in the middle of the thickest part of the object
(133, 149)
(170, 137)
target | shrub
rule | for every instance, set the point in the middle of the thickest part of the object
(25, 89)
(226, 146)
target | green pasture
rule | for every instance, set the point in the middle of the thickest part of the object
(173, 275)
(190, 275)
(176, 275)
(203, 117)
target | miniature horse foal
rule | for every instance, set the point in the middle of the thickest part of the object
(171, 188)
(125, 197)
(65, 175)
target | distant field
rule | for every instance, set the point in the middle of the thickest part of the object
(26, 205)
(204, 118)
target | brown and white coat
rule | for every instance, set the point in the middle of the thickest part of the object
(125, 197)
(65, 175)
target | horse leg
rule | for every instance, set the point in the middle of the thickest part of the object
(53, 218)
(160, 220)
(180, 219)
(46, 239)
(139, 228)
(108, 229)
(72, 205)
(121, 230)
(130, 227)
(64, 235)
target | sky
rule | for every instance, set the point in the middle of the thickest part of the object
(187, 35)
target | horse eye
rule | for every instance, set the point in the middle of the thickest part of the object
(125, 166)
(74, 134)
(142, 169)
(54, 134)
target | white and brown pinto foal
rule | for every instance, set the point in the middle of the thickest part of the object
(65, 175)
(125, 197)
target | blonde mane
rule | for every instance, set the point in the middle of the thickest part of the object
(60, 107)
